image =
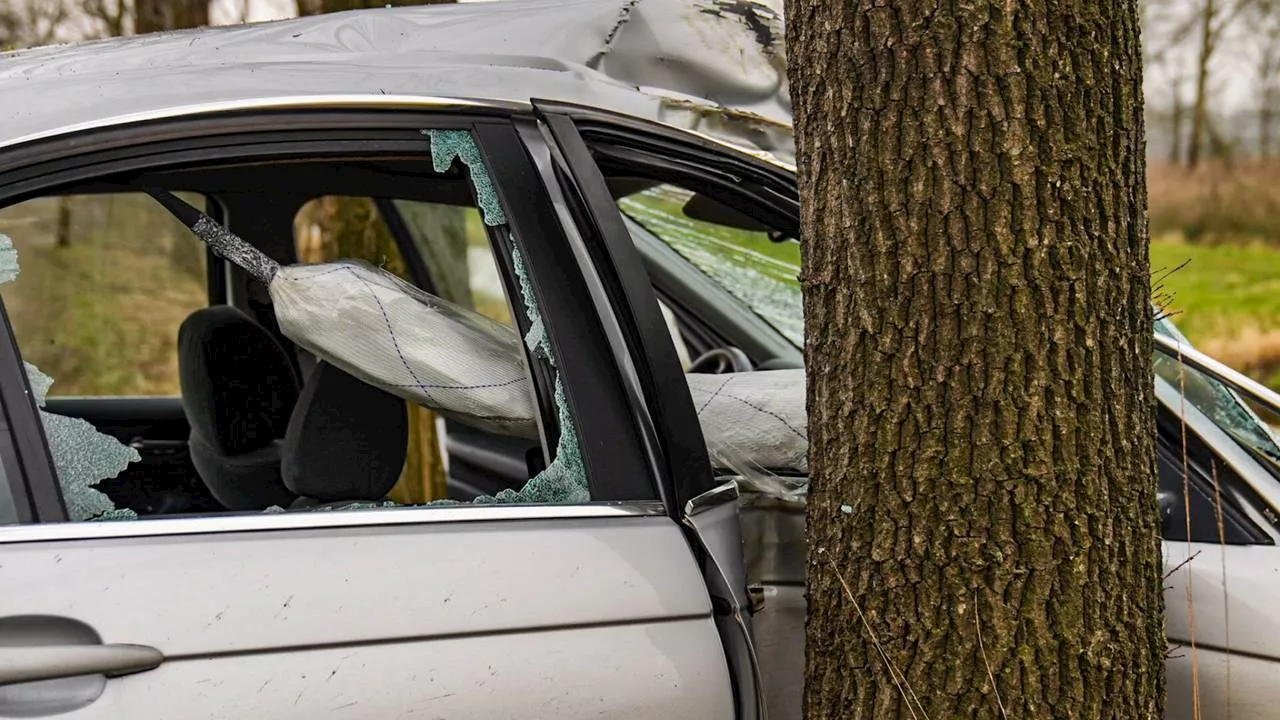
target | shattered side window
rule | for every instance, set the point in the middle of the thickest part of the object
(82, 456)
(390, 367)
(564, 480)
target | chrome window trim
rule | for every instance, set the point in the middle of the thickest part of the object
(1238, 381)
(318, 520)
(295, 102)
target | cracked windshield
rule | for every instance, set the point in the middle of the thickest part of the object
(762, 273)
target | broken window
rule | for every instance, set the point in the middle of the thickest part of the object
(82, 456)
(468, 335)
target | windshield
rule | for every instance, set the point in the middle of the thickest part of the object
(763, 274)
(1227, 409)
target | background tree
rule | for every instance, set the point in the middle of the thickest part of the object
(982, 511)
(319, 7)
(158, 15)
(1213, 20)
(1265, 23)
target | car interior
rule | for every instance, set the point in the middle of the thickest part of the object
(258, 424)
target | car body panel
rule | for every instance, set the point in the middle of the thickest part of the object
(605, 53)
(1214, 684)
(635, 672)
(583, 614)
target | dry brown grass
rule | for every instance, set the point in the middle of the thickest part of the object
(1217, 202)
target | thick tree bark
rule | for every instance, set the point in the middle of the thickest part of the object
(157, 15)
(982, 514)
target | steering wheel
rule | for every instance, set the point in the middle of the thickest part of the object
(720, 361)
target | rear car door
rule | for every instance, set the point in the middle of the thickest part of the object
(597, 608)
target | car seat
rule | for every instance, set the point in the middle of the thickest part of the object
(238, 391)
(256, 441)
(346, 440)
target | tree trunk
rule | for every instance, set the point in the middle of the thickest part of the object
(983, 527)
(158, 15)
(63, 234)
(1199, 113)
(1175, 149)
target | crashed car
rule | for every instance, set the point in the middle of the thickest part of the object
(596, 216)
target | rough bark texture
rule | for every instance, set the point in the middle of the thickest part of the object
(158, 15)
(979, 353)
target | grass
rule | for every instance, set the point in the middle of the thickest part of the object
(1227, 300)
(1223, 221)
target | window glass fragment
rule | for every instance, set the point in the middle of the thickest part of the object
(82, 457)
(449, 144)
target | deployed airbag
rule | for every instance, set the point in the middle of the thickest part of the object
(469, 368)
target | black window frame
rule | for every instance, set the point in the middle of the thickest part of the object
(616, 464)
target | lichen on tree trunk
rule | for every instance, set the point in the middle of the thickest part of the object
(978, 317)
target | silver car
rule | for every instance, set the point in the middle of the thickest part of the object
(245, 546)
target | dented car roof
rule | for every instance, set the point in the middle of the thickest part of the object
(717, 67)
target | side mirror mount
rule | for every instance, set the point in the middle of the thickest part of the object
(1168, 501)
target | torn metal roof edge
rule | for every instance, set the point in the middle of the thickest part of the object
(715, 68)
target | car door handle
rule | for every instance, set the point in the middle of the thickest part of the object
(49, 662)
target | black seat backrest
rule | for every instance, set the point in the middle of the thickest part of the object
(346, 440)
(238, 391)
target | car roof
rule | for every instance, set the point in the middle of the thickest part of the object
(716, 67)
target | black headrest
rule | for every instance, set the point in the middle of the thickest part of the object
(346, 441)
(237, 384)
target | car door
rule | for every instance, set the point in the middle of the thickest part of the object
(1219, 494)
(594, 609)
